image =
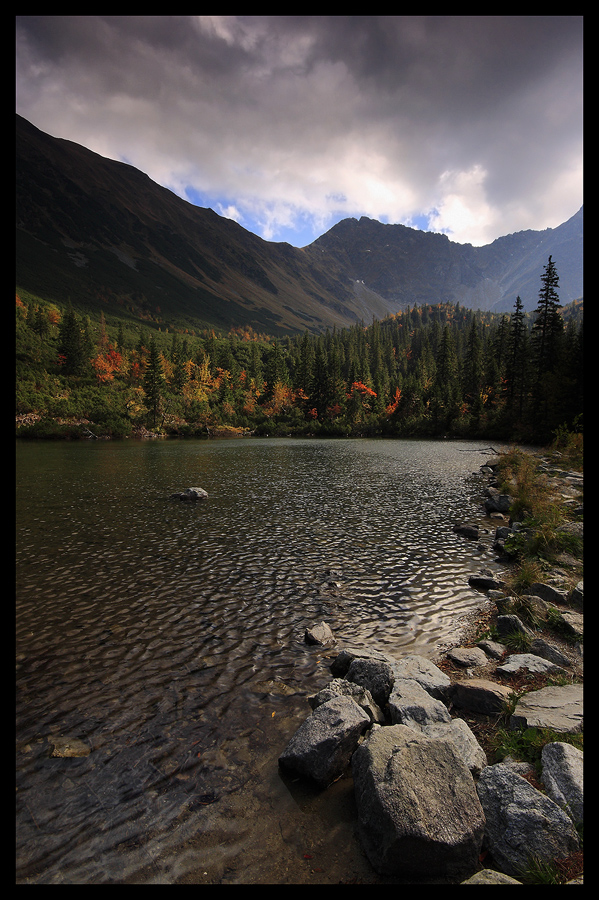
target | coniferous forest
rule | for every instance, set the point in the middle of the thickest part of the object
(429, 371)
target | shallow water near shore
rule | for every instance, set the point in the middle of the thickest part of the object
(169, 638)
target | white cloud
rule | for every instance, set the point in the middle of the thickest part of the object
(286, 120)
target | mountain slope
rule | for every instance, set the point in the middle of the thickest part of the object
(405, 266)
(99, 231)
(102, 234)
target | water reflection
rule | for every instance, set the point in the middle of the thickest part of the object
(169, 637)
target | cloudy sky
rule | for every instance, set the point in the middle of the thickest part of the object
(468, 125)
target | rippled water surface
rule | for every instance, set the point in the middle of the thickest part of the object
(169, 637)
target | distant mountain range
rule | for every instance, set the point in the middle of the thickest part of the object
(102, 234)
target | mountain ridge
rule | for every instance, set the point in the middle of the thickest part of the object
(102, 234)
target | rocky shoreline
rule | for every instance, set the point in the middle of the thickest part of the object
(436, 800)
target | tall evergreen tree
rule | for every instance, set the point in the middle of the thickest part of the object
(517, 360)
(548, 324)
(153, 381)
(71, 343)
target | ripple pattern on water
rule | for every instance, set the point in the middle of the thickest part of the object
(147, 627)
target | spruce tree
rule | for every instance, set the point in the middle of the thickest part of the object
(548, 324)
(71, 347)
(153, 381)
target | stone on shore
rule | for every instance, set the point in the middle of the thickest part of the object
(559, 708)
(346, 656)
(418, 810)
(339, 687)
(322, 746)
(426, 673)
(522, 824)
(69, 747)
(480, 696)
(518, 663)
(468, 657)
(490, 876)
(562, 775)
(410, 704)
(377, 677)
(461, 736)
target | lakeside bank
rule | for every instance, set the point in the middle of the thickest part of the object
(524, 644)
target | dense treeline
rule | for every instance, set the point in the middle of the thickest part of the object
(429, 370)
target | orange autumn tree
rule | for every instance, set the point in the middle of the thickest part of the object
(107, 364)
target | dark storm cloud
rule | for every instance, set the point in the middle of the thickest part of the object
(474, 122)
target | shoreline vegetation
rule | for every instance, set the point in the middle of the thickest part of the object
(548, 550)
(437, 370)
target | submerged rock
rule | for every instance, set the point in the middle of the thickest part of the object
(192, 494)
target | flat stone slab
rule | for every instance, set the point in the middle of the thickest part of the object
(468, 657)
(559, 708)
(528, 662)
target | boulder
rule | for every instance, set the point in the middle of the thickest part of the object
(522, 824)
(469, 657)
(339, 687)
(511, 624)
(192, 494)
(322, 746)
(418, 810)
(410, 704)
(518, 663)
(572, 623)
(345, 657)
(459, 733)
(497, 502)
(548, 593)
(562, 775)
(377, 677)
(493, 648)
(320, 634)
(426, 673)
(559, 708)
(480, 695)
(484, 582)
(490, 876)
(467, 531)
(541, 647)
(66, 747)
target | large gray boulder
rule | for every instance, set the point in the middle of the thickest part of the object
(418, 810)
(322, 746)
(562, 775)
(522, 824)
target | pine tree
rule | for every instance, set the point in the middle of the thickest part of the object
(153, 381)
(71, 345)
(516, 370)
(473, 365)
(548, 325)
